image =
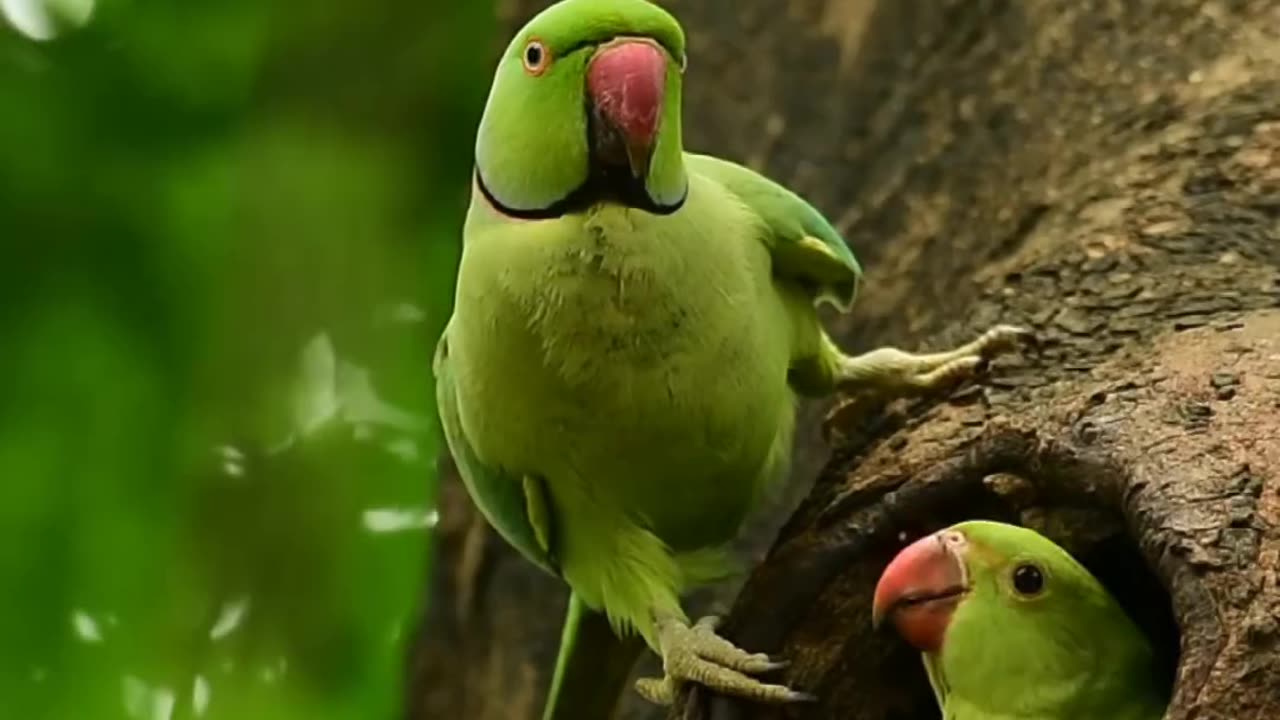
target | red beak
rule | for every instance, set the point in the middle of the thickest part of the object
(921, 588)
(627, 81)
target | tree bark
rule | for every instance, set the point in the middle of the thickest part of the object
(1106, 172)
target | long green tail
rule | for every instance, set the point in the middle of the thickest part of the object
(592, 668)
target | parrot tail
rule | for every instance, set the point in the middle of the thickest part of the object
(592, 668)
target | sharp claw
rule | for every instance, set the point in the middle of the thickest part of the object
(801, 697)
(710, 622)
(697, 654)
(1026, 337)
(1031, 341)
(655, 691)
(1007, 337)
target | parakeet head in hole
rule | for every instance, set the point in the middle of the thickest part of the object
(585, 107)
(1011, 625)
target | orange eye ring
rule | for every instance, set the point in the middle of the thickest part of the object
(536, 57)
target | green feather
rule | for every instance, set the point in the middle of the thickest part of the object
(637, 363)
(532, 146)
(574, 23)
(805, 247)
(500, 496)
(593, 667)
(538, 509)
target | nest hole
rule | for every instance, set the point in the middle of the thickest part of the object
(1095, 535)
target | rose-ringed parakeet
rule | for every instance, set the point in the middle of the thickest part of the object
(1011, 627)
(632, 326)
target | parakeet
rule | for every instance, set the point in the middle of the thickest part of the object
(1011, 627)
(631, 329)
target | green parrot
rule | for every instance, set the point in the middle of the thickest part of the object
(632, 327)
(1011, 627)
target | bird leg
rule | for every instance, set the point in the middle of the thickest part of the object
(697, 654)
(894, 372)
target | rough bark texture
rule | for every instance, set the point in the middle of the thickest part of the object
(1106, 172)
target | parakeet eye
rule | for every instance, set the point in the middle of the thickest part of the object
(1028, 580)
(536, 58)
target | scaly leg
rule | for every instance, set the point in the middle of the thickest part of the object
(895, 372)
(697, 654)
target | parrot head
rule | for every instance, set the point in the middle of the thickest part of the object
(585, 108)
(1004, 614)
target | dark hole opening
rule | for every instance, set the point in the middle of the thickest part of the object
(1108, 551)
(1118, 564)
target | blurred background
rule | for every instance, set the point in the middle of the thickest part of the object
(228, 232)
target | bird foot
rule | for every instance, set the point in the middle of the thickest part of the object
(895, 372)
(697, 654)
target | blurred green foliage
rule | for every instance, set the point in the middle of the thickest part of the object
(228, 232)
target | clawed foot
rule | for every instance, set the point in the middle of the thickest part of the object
(697, 654)
(896, 372)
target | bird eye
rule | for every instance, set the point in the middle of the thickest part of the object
(536, 58)
(1028, 580)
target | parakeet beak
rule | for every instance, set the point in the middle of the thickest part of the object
(921, 588)
(626, 82)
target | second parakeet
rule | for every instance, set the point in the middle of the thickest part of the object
(1011, 627)
(632, 326)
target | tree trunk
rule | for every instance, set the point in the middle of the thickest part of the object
(1106, 172)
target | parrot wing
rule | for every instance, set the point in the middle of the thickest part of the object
(594, 663)
(805, 247)
(516, 507)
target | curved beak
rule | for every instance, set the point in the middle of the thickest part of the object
(626, 83)
(921, 588)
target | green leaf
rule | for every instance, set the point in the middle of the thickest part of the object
(226, 249)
